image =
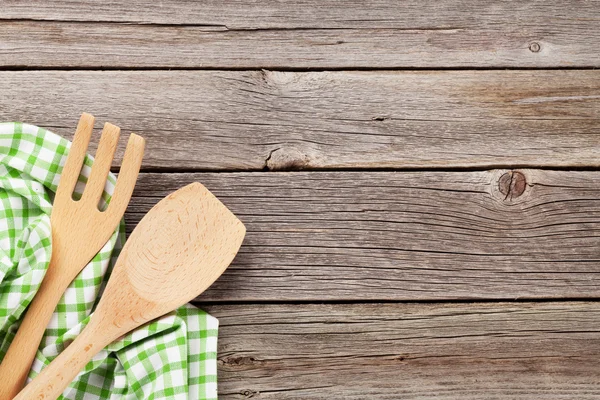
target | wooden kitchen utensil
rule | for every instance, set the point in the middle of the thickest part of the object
(178, 249)
(79, 230)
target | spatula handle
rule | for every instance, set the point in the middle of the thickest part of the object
(21, 353)
(57, 376)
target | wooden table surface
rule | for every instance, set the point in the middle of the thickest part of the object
(419, 179)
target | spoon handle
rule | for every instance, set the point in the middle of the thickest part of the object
(57, 376)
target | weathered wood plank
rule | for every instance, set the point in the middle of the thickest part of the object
(403, 236)
(300, 34)
(399, 351)
(290, 14)
(234, 120)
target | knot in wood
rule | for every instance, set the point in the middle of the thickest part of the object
(287, 159)
(237, 361)
(248, 393)
(535, 47)
(512, 184)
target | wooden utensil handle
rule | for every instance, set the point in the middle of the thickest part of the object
(21, 353)
(57, 376)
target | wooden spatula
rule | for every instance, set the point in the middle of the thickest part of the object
(79, 230)
(178, 249)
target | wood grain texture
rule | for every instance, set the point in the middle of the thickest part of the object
(402, 235)
(399, 351)
(241, 120)
(300, 34)
(363, 235)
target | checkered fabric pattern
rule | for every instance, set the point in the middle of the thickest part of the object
(172, 358)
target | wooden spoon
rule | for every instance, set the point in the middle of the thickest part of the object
(177, 251)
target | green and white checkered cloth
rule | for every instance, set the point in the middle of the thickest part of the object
(172, 358)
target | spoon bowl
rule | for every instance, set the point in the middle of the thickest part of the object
(175, 253)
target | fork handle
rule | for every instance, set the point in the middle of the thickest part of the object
(22, 351)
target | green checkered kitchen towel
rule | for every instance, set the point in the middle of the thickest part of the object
(172, 358)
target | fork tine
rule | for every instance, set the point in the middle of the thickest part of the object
(132, 160)
(72, 167)
(102, 162)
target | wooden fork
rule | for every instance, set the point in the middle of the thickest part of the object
(79, 231)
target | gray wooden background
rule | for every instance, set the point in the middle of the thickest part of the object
(419, 179)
